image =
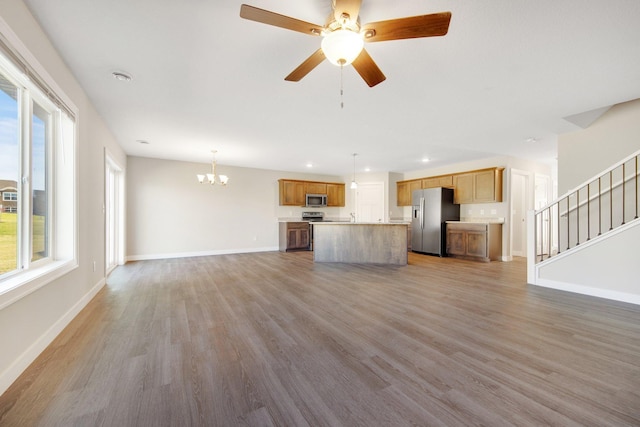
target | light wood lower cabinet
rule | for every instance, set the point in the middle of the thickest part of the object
(478, 241)
(294, 236)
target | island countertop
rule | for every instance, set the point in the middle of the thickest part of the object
(360, 242)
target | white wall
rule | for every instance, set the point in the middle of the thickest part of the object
(606, 268)
(170, 214)
(28, 325)
(585, 153)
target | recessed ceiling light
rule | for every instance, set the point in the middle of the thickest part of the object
(425, 159)
(367, 169)
(531, 140)
(309, 165)
(122, 76)
(142, 141)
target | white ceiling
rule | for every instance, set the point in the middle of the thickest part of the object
(203, 79)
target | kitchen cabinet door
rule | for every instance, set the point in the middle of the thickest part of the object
(463, 192)
(316, 188)
(487, 186)
(456, 240)
(335, 194)
(404, 190)
(292, 193)
(438, 181)
(294, 236)
(476, 243)
(298, 239)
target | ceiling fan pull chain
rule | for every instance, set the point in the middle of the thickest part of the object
(341, 85)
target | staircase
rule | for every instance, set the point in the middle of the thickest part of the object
(588, 240)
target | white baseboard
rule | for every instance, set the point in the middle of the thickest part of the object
(197, 254)
(588, 290)
(25, 359)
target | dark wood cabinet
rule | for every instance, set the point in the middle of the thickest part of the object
(294, 236)
(479, 241)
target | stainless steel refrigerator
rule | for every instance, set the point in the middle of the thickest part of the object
(432, 207)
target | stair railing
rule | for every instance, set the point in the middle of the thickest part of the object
(592, 209)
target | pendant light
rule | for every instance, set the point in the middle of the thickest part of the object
(354, 184)
(211, 177)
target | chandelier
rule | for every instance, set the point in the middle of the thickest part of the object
(211, 177)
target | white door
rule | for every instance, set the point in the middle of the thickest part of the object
(519, 205)
(370, 202)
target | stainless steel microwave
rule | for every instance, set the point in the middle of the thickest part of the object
(316, 200)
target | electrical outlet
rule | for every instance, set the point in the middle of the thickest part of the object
(494, 211)
(481, 211)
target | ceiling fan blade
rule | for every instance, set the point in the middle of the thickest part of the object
(305, 68)
(435, 24)
(368, 69)
(271, 18)
(350, 7)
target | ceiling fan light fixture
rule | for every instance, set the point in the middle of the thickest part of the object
(342, 47)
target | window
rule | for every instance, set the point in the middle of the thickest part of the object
(10, 196)
(37, 180)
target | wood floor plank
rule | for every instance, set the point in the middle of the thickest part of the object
(274, 339)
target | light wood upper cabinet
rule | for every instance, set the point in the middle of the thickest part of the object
(335, 194)
(445, 181)
(480, 186)
(293, 192)
(404, 190)
(316, 188)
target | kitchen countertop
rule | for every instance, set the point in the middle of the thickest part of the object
(357, 223)
(480, 220)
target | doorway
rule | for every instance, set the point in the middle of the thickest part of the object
(520, 204)
(548, 227)
(370, 202)
(114, 214)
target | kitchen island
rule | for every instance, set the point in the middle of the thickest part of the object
(360, 242)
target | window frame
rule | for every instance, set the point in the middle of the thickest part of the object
(61, 170)
(5, 193)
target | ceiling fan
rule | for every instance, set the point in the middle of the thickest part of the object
(344, 37)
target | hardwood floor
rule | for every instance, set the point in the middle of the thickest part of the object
(273, 339)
